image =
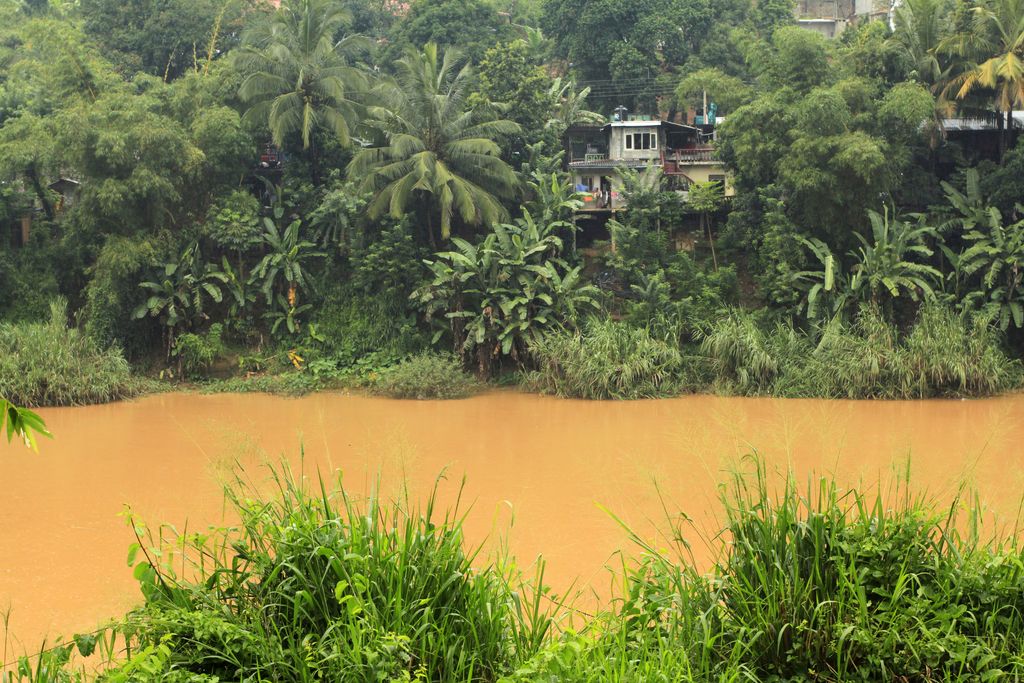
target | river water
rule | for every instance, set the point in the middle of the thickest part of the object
(541, 471)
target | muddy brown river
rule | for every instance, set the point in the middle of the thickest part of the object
(538, 471)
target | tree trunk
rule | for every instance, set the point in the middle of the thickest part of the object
(40, 191)
(1003, 126)
(314, 163)
(430, 231)
(711, 240)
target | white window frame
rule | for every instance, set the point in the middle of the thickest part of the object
(640, 142)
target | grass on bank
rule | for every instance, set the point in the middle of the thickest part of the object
(944, 354)
(51, 364)
(422, 376)
(810, 583)
(425, 376)
(606, 360)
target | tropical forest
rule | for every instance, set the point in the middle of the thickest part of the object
(512, 340)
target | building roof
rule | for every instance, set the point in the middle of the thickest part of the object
(649, 124)
(980, 123)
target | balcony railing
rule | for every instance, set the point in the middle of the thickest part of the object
(692, 155)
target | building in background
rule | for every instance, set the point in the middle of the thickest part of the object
(831, 17)
(597, 154)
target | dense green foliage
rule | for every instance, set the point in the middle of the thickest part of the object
(315, 192)
(606, 360)
(815, 583)
(318, 585)
(44, 364)
(425, 376)
(806, 582)
(943, 354)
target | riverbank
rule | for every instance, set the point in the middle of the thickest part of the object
(942, 356)
(537, 468)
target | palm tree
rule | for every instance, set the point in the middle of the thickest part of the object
(571, 103)
(298, 78)
(439, 154)
(993, 45)
(919, 28)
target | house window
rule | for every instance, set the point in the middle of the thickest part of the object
(720, 179)
(642, 141)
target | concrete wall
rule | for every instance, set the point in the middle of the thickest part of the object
(826, 9)
(702, 174)
(617, 143)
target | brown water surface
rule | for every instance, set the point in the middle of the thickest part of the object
(543, 464)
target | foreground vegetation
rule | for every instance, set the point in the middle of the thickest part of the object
(808, 582)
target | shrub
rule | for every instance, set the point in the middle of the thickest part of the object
(315, 585)
(354, 326)
(741, 355)
(812, 583)
(113, 292)
(947, 354)
(425, 376)
(197, 352)
(608, 360)
(48, 364)
(289, 383)
(943, 354)
(233, 222)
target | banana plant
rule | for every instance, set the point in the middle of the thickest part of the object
(178, 297)
(997, 254)
(282, 272)
(828, 289)
(498, 294)
(288, 315)
(283, 265)
(884, 269)
(555, 201)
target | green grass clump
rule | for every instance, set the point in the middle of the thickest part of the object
(314, 585)
(944, 354)
(50, 364)
(813, 583)
(288, 383)
(607, 360)
(425, 376)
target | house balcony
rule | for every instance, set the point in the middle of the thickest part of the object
(692, 155)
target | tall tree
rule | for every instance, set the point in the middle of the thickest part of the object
(993, 46)
(298, 78)
(438, 156)
(166, 38)
(472, 26)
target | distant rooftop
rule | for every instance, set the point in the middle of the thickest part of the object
(980, 122)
